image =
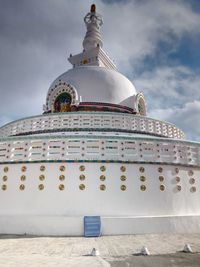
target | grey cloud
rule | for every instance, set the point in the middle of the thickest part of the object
(168, 86)
(36, 38)
(173, 95)
(187, 118)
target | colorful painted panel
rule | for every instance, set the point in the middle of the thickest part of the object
(63, 102)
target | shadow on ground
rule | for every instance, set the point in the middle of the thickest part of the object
(170, 260)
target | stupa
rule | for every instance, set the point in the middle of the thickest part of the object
(95, 160)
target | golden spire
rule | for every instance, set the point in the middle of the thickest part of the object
(93, 8)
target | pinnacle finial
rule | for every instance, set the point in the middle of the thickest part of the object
(93, 8)
(93, 22)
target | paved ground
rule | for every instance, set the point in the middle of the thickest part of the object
(170, 260)
(115, 251)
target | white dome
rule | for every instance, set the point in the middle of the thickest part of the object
(97, 84)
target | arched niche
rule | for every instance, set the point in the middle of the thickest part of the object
(141, 104)
(61, 97)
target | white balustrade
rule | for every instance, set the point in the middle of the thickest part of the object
(106, 121)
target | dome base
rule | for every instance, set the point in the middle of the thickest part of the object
(73, 225)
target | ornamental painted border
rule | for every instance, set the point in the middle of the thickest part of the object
(61, 87)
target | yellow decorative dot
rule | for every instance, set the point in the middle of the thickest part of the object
(103, 168)
(123, 168)
(40, 186)
(178, 179)
(23, 168)
(82, 168)
(123, 187)
(162, 187)
(160, 169)
(61, 187)
(82, 187)
(193, 189)
(176, 170)
(82, 177)
(142, 187)
(178, 187)
(161, 178)
(4, 187)
(192, 181)
(142, 178)
(42, 177)
(5, 178)
(190, 173)
(22, 187)
(62, 168)
(61, 177)
(5, 169)
(102, 177)
(42, 168)
(123, 178)
(141, 169)
(23, 178)
(102, 187)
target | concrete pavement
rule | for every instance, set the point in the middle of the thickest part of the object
(114, 250)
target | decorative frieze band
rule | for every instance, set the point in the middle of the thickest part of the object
(84, 148)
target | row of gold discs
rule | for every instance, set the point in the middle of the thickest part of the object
(177, 180)
(60, 187)
(161, 179)
(82, 177)
(42, 168)
(102, 178)
(102, 187)
(4, 185)
(102, 168)
(142, 179)
(22, 179)
(21, 186)
(61, 178)
(192, 181)
(123, 178)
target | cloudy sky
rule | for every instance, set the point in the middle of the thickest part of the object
(156, 43)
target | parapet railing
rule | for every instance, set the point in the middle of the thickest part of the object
(98, 121)
(99, 148)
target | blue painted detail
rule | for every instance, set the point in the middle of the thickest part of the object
(92, 226)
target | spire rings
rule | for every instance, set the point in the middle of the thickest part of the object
(93, 17)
